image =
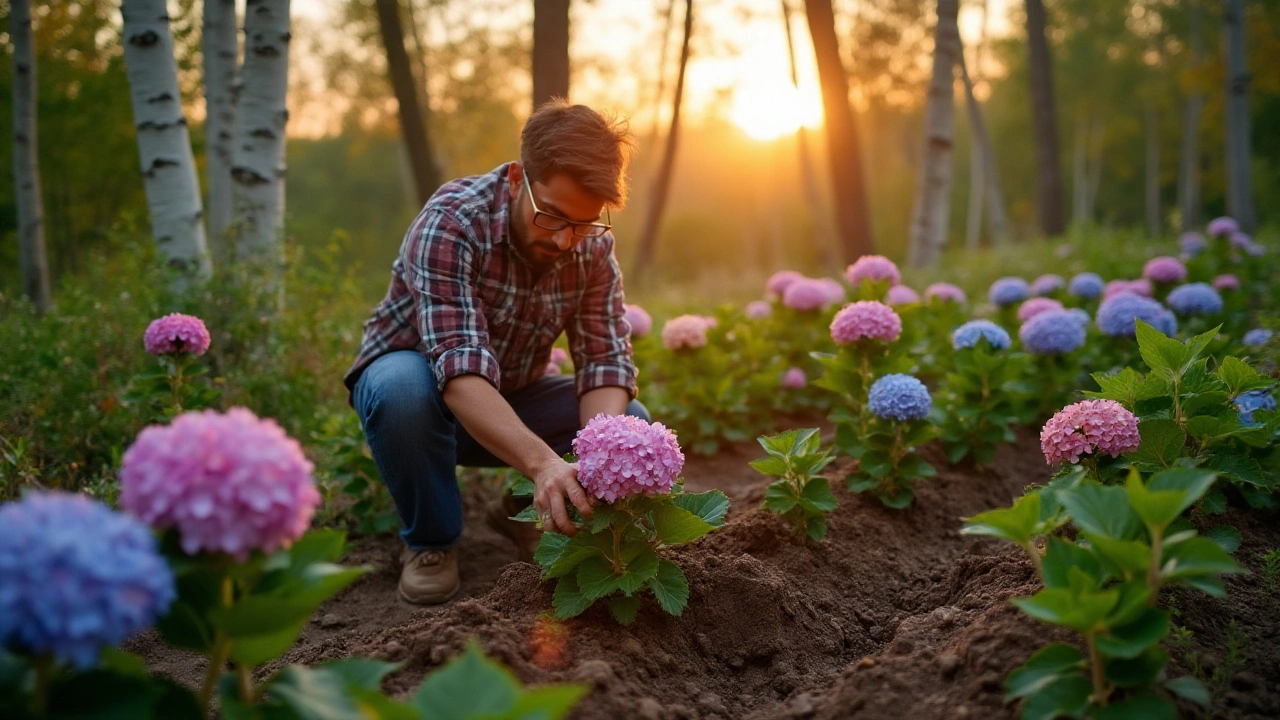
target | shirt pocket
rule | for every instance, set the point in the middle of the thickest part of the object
(498, 301)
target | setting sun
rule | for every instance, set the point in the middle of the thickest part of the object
(766, 110)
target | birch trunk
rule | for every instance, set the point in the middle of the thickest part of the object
(823, 234)
(220, 46)
(933, 196)
(1189, 167)
(1239, 174)
(26, 164)
(1153, 170)
(998, 221)
(164, 145)
(1048, 174)
(258, 167)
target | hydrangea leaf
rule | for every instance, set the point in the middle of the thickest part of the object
(1190, 481)
(897, 498)
(1066, 696)
(817, 495)
(858, 482)
(1197, 556)
(913, 466)
(1161, 353)
(568, 600)
(670, 587)
(674, 525)
(258, 649)
(1132, 639)
(1240, 376)
(1061, 556)
(1051, 662)
(1227, 537)
(1145, 705)
(641, 565)
(522, 487)
(547, 703)
(184, 626)
(313, 694)
(711, 506)
(550, 547)
(1189, 688)
(773, 466)
(1139, 671)
(1162, 444)
(1015, 524)
(816, 528)
(596, 578)
(780, 497)
(1240, 468)
(1079, 611)
(468, 686)
(259, 615)
(528, 513)
(624, 608)
(1101, 510)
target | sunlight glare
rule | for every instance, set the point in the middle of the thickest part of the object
(767, 109)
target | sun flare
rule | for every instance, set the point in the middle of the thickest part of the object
(766, 109)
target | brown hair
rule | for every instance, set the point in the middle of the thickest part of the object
(590, 147)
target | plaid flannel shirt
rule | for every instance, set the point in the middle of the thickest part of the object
(463, 296)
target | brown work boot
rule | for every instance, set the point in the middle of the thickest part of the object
(524, 534)
(429, 577)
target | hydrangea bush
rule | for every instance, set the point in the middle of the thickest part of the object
(871, 276)
(1052, 338)
(899, 406)
(801, 496)
(176, 340)
(980, 397)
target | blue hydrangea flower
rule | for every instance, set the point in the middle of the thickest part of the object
(1247, 402)
(1008, 290)
(76, 577)
(1192, 243)
(899, 397)
(1086, 285)
(1046, 284)
(1052, 332)
(1195, 299)
(968, 334)
(1257, 337)
(1118, 315)
(1081, 316)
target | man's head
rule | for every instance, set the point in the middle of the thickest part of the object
(572, 165)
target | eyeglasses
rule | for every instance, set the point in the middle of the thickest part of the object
(549, 221)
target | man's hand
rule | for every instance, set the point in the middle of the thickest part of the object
(552, 483)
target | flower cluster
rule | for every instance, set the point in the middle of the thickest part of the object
(1008, 290)
(1091, 426)
(1247, 402)
(1118, 316)
(230, 483)
(77, 577)
(945, 292)
(806, 294)
(794, 379)
(176, 333)
(621, 455)
(1086, 285)
(758, 310)
(639, 320)
(899, 397)
(1195, 299)
(968, 335)
(902, 295)
(779, 281)
(1192, 243)
(1164, 269)
(1225, 282)
(684, 331)
(1239, 240)
(1047, 284)
(866, 319)
(1081, 316)
(874, 268)
(1257, 337)
(1055, 332)
(835, 291)
(1137, 287)
(1035, 306)
(1221, 226)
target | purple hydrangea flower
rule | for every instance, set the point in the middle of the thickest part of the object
(945, 292)
(902, 295)
(806, 294)
(1257, 337)
(1008, 290)
(1086, 285)
(1036, 305)
(1247, 402)
(779, 281)
(1055, 332)
(176, 333)
(1192, 243)
(758, 310)
(1225, 282)
(1087, 427)
(835, 291)
(1222, 226)
(866, 319)
(872, 267)
(1081, 316)
(899, 397)
(1047, 284)
(684, 331)
(229, 483)
(77, 577)
(1253, 249)
(1195, 299)
(1118, 315)
(1164, 269)
(559, 356)
(620, 456)
(968, 335)
(794, 379)
(1239, 240)
(639, 320)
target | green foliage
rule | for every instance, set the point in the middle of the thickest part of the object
(888, 465)
(800, 495)
(614, 555)
(118, 687)
(354, 492)
(978, 402)
(1271, 570)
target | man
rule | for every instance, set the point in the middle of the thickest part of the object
(451, 368)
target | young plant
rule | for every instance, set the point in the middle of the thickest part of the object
(351, 472)
(889, 465)
(633, 466)
(1105, 586)
(979, 396)
(176, 340)
(799, 495)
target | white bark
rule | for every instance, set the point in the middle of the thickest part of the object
(164, 145)
(985, 156)
(26, 165)
(258, 165)
(1239, 174)
(933, 196)
(221, 50)
(1189, 167)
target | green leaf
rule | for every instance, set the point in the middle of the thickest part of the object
(1101, 510)
(858, 482)
(596, 578)
(467, 687)
(1080, 611)
(897, 498)
(528, 513)
(711, 506)
(816, 529)
(1240, 468)
(818, 494)
(546, 703)
(569, 601)
(1227, 537)
(1143, 706)
(1197, 556)
(1162, 353)
(1132, 639)
(312, 694)
(624, 608)
(1162, 443)
(779, 497)
(259, 615)
(1061, 556)
(573, 552)
(1016, 524)
(522, 487)
(258, 649)
(1189, 688)
(1163, 498)
(1067, 696)
(670, 587)
(365, 673)
(1051, 662)
(1240, 376)
(772, 466)
(317, 546)
(1130, 557)
(1215, 502)
(674, 525)
(641, 565)
(1139, 671)
(550, 547)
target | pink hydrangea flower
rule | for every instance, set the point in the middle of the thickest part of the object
(1226, 282)
(709, 321)
(1137, 287)
(638, 319)
(552, 369)
(1037, 305)
(866, 319)
(872, 267)
(176, 333)
(559, 356)
(229, 483)
(794, 379)
(685, 331)
(806, 294)
(902, 295)
(946, 292)
(835, 291)
(1222, 226)
(758, 310)
(1164, 269)
(620, 456)
(780, 281)
(1091, 426)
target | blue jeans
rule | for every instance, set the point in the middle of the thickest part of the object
(418, 444)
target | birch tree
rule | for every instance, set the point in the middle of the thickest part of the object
(1048, 173)
(984, 155)
(164, 145)
(26, 164)
(220, 46)
(1239, 175)
(933, 194)
(258, 164)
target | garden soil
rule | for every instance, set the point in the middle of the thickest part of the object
(895, 615)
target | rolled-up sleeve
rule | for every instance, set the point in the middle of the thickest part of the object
(599, 337)
(440, 272)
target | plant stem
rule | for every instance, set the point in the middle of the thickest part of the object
(44, 672)
(1100, 691)
(175, 383)
(1034, 553)
(1153, 573)
(244, 683)
(221, 649)
(617, 551)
